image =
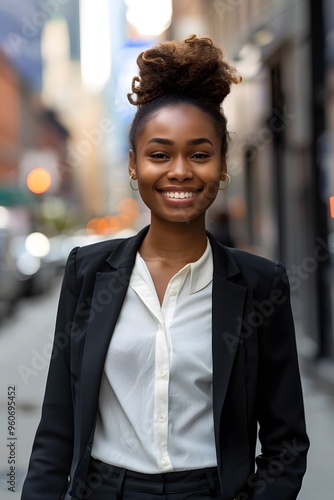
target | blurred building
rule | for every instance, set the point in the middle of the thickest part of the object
(30, 136)
(35, 185)
(281, 161)
(9, 120)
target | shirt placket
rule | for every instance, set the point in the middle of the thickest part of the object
(162, 370)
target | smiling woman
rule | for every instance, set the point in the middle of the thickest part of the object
(178, 164)
(175, 348)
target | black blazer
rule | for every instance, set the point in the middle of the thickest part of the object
(255, 374)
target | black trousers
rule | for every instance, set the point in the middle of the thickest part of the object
(107, 482)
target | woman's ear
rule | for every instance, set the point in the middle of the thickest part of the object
(223, 170)
(132, 164)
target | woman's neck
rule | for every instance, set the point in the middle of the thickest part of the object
(177, 242)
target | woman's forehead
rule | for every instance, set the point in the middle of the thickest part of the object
(184, 119)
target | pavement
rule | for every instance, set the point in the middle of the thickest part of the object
(25, 342)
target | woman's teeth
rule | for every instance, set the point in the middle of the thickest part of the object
(179, 194)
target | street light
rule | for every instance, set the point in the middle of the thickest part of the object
(263, 37)
(248, 62)
(95, 43)
(150, 17)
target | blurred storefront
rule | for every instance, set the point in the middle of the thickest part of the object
(36, 186)
(32, 134)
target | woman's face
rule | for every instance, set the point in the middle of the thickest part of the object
(178, 163)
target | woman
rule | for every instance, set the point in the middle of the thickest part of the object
(169, 348)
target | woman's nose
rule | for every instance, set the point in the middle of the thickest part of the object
(180, 170)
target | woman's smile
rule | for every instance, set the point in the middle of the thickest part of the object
(181, 197)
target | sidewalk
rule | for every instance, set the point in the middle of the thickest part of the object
(320, 370)
(318, 389)
(319, 409)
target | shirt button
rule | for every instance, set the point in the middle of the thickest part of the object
(164, 461)
(161, 418)
(173, 291)
(163, 374)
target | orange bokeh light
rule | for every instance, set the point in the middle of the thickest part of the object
(108, 224)
(92, 225)
(237, 207)
(39, 180)
(331, 204)
(129, 207)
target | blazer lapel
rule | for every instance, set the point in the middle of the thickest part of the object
(108, 296)
(228, 299)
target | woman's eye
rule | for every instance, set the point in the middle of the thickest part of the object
(158, 156)
(200, 156)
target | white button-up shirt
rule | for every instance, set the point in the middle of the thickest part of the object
(155, 405)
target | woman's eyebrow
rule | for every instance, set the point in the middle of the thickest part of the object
(200, 140)
(160, 140)
(169, 142)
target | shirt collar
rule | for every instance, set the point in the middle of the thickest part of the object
(201, 271)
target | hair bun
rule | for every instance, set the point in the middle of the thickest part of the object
(194, 68)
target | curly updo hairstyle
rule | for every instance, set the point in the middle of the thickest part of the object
(192, 71)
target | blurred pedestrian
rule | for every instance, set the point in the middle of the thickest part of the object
(220, 228)
(170, 348)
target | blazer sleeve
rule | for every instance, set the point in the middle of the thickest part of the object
(51, 456)
(282, 433)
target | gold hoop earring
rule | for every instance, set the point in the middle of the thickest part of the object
(131, 186)
(229, 182)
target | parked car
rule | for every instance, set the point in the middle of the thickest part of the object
(34, 268)
(10, 285)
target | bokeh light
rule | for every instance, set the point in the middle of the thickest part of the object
(39, 180)
(237, 207)
(150, 18)
(27, 265)
(129, 207)
(4, 217)
(37, 244)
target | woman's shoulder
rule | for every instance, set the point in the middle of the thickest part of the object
(253, 266)
(100, 249)
(259, 274)
(92, 258)
(253, 260)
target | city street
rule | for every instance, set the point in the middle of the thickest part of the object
(25, 341)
